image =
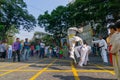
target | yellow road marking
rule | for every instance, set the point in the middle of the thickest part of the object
(58, 71)
(16, 69)
(7, 65)
(107, 66)
(75, 72)
(96, 71)
(111, 72)
(41, 71)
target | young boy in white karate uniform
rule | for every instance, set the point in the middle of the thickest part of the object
(103, 47)
(73, 39)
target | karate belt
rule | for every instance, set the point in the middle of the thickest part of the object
(71, 36)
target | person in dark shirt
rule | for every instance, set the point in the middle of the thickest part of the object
(26, 49)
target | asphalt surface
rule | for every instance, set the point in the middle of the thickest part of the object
(55, 69)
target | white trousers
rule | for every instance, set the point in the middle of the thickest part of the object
(104, 55)
(86, 58)
(83, 54)
(72, 42)
(77, 51)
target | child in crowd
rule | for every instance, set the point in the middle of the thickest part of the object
(61, 53)
(9, 52)
(37, 49)
(32, 49)
(49, 52)
(46, 50)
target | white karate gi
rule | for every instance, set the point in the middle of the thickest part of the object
(82, 52)
(102, 43)
(73, 39)
(87, 54)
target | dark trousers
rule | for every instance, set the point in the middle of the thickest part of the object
(3, 54)
(54, 54)
(42, 53)
(17, 52)
(32, 53)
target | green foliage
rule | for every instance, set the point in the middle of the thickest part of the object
(12, 31)
(14, 12)
(80, 12)
(1, 28)
(55, 22)
(48, 39)
(1, 32)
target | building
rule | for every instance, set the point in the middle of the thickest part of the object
(39, 35)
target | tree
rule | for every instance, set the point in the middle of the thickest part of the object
(14, 12)
(1, 31)
(48, 39)
(78, 13)
(55, 23)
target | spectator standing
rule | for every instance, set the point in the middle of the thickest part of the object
(42, 50)
(16, 50)
(26, 49)
(2, 50)
(6, 48)
(65, 50)
(37, 47)
(46, 50)
(9, 51)
(55, 51)
(49, 52)
(61, 53)
(32, 49)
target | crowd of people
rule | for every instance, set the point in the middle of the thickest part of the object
(23, 51)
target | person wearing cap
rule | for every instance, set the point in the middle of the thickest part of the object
(112, 31)
(115, 50)
(73, 39)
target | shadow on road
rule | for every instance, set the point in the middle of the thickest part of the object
(61, 77)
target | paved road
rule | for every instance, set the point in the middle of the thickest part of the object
(55, 69)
